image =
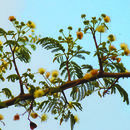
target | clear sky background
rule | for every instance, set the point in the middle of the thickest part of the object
(108, 113)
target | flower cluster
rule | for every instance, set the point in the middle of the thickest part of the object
(91, 74)
(124, 47)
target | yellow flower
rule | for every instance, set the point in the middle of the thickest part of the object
(30, 35)
(107, 19)
(11, 18)
(44, 117)
(41, 70)
(1, 43)
(111, 38)
(94, 72)
(38, 93)
(79, 35)
(31, 24)
(55, 73)
(15, 49)
(76, 118)
(101, 28)
(127, 52)
(1, 117)
(123, 46)
(47, 74)
(32, 30)
(111, 48)
(87, 76)
(34, 115)
(52, 80)
(70, 105)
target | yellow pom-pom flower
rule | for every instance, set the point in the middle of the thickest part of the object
(31, 24)
(38, 93)
(94, 72)
(123, 46)
(1, 117)
(126, 52)
(34, 115)
(55, 73)
(79, 35)
(107, 19)
(41, 70)
(76, 118)
(87, 76)
(101, 28)
(111, 38)
(44, 117)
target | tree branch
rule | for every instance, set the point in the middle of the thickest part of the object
(65, 86)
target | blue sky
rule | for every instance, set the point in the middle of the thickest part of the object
(108, 113)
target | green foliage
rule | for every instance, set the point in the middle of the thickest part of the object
(123, 93)
(7, 92)
(13, 77)
(50, 43)
(23, 54)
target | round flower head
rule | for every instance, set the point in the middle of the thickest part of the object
(16, 117)
(1, 43)
(111, 48)
(111, 38)
(31, 24)
(38, 93)
(126, 52)
(76, 119)
(41, 70)
(55, 73)
(11, 18)
(87, 76)
(123, 46)
(34, 115)
(1, 117)
(94, 72)
(101, 28)
(44, 117)
(79, 35)
(107, 19)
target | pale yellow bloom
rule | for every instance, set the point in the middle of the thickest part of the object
(55, 73)
(1, 43)
(107, 19)
(87, 76)
(38, 93)
(44, 117)
(76, 118)
(101, 28)
(123, 46)
(31, 25)
(1, 117)
(41, 70)
(111, 37)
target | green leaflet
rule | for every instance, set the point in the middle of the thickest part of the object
(2, 32)
(7, 92)
(50, 43)
(13, 77)
(123, 93)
